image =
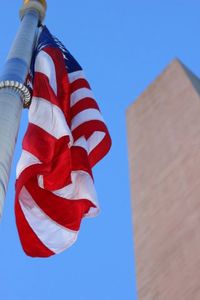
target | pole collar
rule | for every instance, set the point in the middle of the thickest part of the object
(19, 88)
(39, 5)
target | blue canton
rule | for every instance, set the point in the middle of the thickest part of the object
(46, 39)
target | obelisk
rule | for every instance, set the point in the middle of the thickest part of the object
(164, 155)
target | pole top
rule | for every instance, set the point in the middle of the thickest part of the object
(39, 5)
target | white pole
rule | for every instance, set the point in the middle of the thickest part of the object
(12, 90)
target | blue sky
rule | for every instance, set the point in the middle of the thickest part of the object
(122, 46)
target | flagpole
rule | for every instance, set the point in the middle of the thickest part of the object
(13, 92)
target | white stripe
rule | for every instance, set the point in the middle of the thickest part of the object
(81, 142)
(91, 142)
(44, 64)
(82, 187)
(54, 236)
(76, 75)
(41, 181)
(80, 94)
(26, 160)
(84, 116)
(49, 117)
(95, 139)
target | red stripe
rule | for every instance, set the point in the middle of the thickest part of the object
(80, 160)
(40, 143)
(78, 84)
(100, 150)
(30, 242)
(63, 92)
(83, 104)
(54, 155)
(57, 160)
(65, 212)
(26, 175)
(86, 129)
(42, 86)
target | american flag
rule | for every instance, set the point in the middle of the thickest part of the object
(65, 138)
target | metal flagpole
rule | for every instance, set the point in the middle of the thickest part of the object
(13, 92)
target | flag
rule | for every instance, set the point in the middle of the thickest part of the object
(65, 138)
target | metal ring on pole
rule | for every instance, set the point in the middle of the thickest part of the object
(39, 5)
(20, 88)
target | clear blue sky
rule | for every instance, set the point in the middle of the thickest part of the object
(123, 46)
